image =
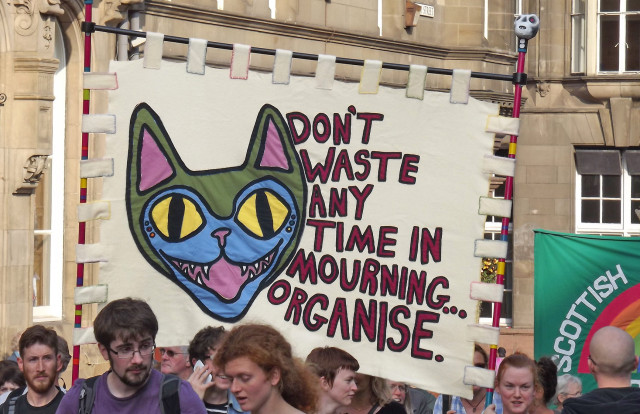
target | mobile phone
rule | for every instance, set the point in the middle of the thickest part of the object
(199, 364)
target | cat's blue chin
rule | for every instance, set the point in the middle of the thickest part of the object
(223, 288)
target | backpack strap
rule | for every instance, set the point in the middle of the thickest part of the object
(11, 406)
(446, 403)
(87, 395)
(169, 395)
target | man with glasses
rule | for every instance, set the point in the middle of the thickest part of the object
(612, 360)
(125, 330)
(208, 380)
(175, 360)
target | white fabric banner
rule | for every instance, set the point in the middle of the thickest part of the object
(342, 219)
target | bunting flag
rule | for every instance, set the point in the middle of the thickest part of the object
(341, 218)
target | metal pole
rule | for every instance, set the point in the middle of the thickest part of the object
(90, 28)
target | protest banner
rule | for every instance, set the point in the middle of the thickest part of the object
(342, 218)
(582, 283)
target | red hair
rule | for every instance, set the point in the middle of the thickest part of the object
(518, 360)
(268, 349)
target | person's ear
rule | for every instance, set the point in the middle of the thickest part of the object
(59, 363)
(274, 377)
(20, 364)
(324, 384)
(104, 351)
(561, 398)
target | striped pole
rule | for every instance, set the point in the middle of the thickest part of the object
(520, 79)
(86, 99)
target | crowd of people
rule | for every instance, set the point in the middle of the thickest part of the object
(251, 368)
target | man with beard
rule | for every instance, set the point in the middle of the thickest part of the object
(125, 330)
(39, 362)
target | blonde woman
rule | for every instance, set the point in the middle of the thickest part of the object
(373, 397)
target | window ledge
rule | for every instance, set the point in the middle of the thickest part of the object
(613, 86)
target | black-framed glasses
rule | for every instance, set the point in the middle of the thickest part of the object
(128, 352)
(592, 361)
(170, 353)
(480, 365)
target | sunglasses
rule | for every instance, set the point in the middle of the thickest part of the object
(170, 353)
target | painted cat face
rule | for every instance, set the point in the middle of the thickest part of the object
(221, 235)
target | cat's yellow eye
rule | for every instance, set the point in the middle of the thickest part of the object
(263, 213)
(176, 217)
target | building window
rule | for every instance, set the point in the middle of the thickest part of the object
(608, 192)
(578, 37)
(492, 231)
(49, 199)
(619, 36)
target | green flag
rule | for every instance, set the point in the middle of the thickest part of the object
(582, 283)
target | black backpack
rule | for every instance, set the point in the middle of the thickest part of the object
(169, 396)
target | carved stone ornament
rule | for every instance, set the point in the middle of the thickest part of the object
(33, 169)
(25, 21)
(115, 11)
(47, 35)
(51, 7)
(543, 88)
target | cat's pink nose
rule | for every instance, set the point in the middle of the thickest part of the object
(221, 235)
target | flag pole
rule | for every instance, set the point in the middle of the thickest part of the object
(88, 9)
(526, 27)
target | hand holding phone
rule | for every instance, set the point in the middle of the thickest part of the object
(200, 364)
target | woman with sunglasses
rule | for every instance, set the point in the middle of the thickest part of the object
(264, 376)
(476, 404)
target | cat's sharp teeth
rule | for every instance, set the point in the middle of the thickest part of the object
(199, 280)
(243, 268)
(205, 270)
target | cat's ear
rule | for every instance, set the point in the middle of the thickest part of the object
(152, 157)
(271, 146)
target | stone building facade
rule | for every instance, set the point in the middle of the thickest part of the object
(574, 99)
